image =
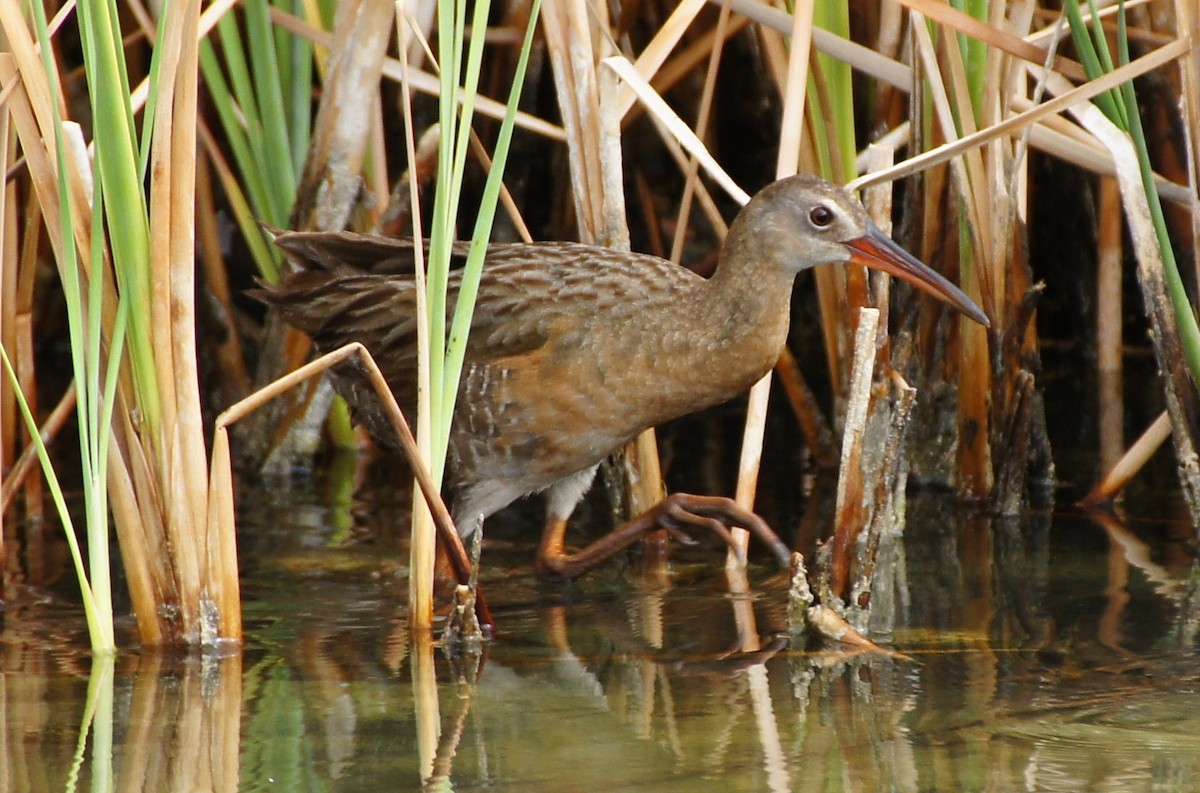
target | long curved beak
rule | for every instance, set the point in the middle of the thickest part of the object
(876, 250)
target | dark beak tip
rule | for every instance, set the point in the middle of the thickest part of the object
(876, 250)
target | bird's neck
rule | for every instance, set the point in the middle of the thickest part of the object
(744, 310)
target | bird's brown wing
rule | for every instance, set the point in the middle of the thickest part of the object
(527, 295)
(338, 296)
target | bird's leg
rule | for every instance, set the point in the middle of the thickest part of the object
(676, 513)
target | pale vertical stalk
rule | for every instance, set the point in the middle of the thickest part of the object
(182, 256)
(1109, 314)
(791, 129)
(643, 470)
(849, 507)
(161, 209)
(183, 531)
(422, 554)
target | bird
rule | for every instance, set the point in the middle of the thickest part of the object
(575, 349)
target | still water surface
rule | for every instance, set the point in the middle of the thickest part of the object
(1057, 653)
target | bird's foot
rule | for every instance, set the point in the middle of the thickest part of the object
(677, 514)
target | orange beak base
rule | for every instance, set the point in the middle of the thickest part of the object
(877, 251)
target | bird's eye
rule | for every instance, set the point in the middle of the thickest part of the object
(821, 216)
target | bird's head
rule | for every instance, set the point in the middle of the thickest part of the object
(804, 221)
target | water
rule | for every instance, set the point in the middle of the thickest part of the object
(1056, 653)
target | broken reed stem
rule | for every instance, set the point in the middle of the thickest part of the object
(408, 443)
(849, 507)
(885, 512)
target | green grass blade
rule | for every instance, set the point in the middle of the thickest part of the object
(117, 158)
(235, 134)
(269, 202)
(1108, 102)
(1185, 317)
(465, 307)
(84, 331)
(834, 16)
(264, 63)
(102, 641)
(296, 72)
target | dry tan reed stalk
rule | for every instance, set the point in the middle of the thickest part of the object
(1017, 124)
(9, 258)
(23, 334)
(655, 53)
(676, 130)
(1047, 135)
(791, 127)
(1127, 467)
(172, 273)
(422, 554)
(849, 507)
(961, 22)
(750, 459)
(404, 434)
(1109, 336)
(692, 55)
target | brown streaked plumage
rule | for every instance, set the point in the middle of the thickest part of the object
(575, 349)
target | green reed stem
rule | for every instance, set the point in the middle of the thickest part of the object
(1120, 105)
(465, 307)
(93, 404)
